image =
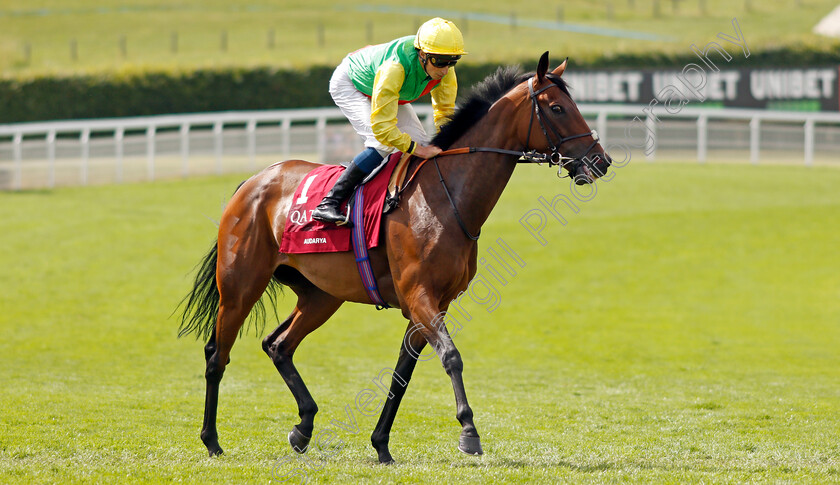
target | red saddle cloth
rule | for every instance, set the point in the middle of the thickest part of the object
(304, 235)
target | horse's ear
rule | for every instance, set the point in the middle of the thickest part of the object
(542, 67)
(561, 68)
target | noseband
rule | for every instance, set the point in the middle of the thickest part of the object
(555, 157)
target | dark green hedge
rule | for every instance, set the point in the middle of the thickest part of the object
(152, 93)
(53, 98)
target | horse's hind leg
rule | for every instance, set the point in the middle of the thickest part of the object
(211, 399)
(313, 308)
(240, 287)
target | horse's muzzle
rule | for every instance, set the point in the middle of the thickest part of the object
(587, 170)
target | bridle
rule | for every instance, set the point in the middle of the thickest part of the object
(554, 158)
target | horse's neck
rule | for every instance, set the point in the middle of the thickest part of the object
(477, 180)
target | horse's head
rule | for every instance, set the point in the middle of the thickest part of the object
(555, 126)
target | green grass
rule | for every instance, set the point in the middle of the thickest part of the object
(681, 328)
(36, 36)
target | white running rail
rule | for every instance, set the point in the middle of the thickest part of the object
(702, 132)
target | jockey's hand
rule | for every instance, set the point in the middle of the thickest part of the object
(429, 151)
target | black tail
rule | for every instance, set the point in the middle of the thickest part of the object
(202, 303)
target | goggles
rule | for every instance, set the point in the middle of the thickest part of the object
(442, 60)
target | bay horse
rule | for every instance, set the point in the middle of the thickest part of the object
(428, 256)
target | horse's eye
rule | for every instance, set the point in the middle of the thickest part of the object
(556, 108)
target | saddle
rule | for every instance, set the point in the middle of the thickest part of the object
(395, 183)
(302, 234)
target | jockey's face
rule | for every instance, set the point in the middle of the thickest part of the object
(435, 73)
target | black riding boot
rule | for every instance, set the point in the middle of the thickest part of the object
(328, 209)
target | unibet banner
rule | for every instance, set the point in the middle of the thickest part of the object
(810, 89)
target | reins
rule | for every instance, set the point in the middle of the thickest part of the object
(532, 156)
(454, 207)
(524, 157)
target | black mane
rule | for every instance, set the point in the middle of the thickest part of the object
(479, 100)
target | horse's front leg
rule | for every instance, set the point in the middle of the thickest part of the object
(412, 345)
(429, 322)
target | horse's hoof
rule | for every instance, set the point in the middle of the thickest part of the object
(214, 450)
(212, 444)
(385, 458)
(470, 445)
(299, 442)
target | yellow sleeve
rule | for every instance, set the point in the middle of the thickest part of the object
(385, 104)
(443, 98)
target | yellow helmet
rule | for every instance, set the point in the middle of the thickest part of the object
(440, 36)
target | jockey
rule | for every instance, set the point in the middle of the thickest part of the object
(373, 87)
